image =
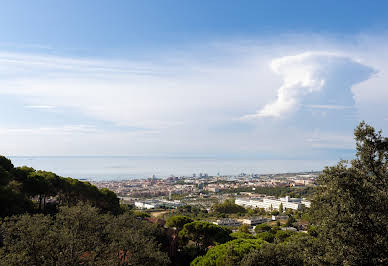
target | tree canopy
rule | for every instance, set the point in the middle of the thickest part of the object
(80, 235)
(24, 189)
(204, 234)
(228, 206)
(230, 253)
(350, 207)
(178, 221)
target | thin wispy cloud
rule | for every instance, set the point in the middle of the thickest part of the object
(61, 130)
(190, 102)
(39, 106)
(329, 107)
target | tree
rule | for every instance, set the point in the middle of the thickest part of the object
(21, 186)
(281, 235)
(204, 234)
(80, 231)
(6, 167)
(350, 207)
(230, 253)
(28, 240)
(178, 221)
(80, 235)
(266, 236)
(134, 242)
(243, 235)
(12, 198)
(272, 254)
(281, 208)
(228, 206)
(244, 228)
(290, 221)
(41, 184)
(262, 228)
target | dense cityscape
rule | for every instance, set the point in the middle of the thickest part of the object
(203, 189)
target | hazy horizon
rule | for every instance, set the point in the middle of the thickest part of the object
(103, 168)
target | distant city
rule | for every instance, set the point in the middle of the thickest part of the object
(204, 190)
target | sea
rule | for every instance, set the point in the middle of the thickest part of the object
(104, 168)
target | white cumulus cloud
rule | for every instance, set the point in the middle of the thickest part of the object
(304, 74)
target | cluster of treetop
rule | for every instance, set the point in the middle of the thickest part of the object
(24, 189)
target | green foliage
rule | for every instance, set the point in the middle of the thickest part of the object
(262, 228)
(138, 242)
(312, 231)
(350, 208)
(251, 212)
(290, 221)
(271, 254)
(266, 236)
(12, 199)
(141, 214)
(126, 208)
(79, 235)
(281, 208)
(178, 221)
(204, 234)
(191, 211)
(228, 206)
(244, 228)
(281, 236)
(242, 235)
(230, 253)
(21, 187)
(27, 241)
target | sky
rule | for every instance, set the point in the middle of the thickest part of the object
(281, 80)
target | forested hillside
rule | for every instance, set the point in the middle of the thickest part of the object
(24, 189)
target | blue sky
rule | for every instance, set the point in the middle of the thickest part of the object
(119, 27)
(251, 79)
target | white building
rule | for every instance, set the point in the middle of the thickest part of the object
(146, 204)
(151, 204)
(279, 217)
(227, 222)
(271, 203)
(306, 203)
(254, 220)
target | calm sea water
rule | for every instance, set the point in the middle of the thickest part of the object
(120, 168)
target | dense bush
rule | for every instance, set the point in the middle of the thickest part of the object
(262, 228)
(230, 253)
(242, 235)
(228, 206)
(80, 235)
(204, 234)
(178, 221)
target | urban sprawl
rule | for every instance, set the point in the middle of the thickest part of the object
(203, 191)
